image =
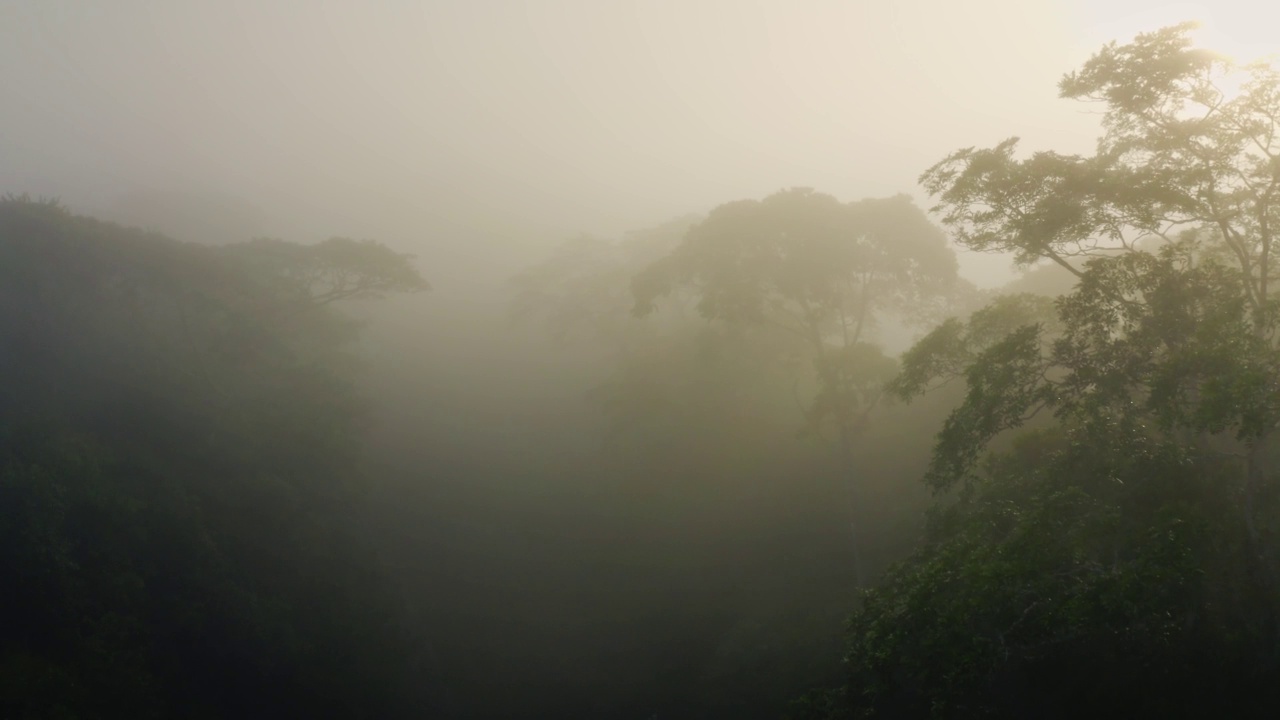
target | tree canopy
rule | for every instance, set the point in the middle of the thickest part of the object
(823, 272)
(1122, 557)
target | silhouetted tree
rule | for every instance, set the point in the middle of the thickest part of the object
(1121, 559)
(824, 272)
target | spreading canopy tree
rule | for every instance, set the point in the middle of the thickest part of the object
(1123, 557)
(1175, 313)
(822, 271)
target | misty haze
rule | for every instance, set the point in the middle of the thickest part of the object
(639, 360)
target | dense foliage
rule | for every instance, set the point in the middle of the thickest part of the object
(179, 446)
(1121, 559)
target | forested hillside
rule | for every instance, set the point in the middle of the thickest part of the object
(180, 478)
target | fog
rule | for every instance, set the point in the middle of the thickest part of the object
(558, 550)
(458, 129)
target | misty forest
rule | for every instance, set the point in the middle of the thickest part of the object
(772, 455)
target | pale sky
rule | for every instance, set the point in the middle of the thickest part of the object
(461, 124)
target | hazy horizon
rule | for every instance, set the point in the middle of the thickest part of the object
(460, 129)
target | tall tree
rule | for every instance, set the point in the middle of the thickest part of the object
(824, 272)
(1190, 164)
(1123, 558)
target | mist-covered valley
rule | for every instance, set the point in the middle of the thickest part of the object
(638, 360)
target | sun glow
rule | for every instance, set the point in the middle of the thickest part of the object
(1243, 30)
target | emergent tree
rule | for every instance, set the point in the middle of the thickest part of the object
(826, 273)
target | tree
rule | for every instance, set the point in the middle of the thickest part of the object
(823, 272)
(1123, 558)
(1186, 164)
(581, 290)
(337, 269)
